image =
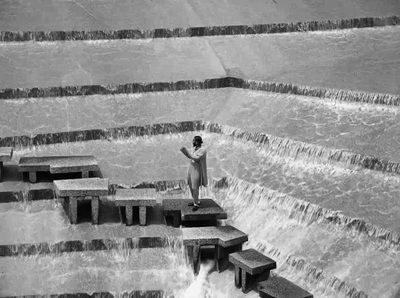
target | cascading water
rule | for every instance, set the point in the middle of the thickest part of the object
(309, 249)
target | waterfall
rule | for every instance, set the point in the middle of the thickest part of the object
(283, 147)
(305, 26)
(308, 213)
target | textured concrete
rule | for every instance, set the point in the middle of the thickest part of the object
(81, 187)
(279, 287)
(135, 197)
(252, 261)
(58, 164)
(224, 235)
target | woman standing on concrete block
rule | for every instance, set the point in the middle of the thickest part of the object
(197, 172)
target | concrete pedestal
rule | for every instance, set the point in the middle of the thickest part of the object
(251, 267)
(95, 210)
(32, 177)
(142, 215)
(73, 209)
(129, 215)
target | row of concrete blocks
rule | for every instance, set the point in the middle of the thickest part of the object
(252, 268)
(53, 164)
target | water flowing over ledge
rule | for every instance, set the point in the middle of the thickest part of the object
(133, 294)
(122, 244)
(312, 273)
(299, 150)
(275, 145)
(306, 212)
(226, 82)
(325, 25)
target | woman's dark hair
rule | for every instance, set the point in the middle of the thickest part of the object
(198, 139)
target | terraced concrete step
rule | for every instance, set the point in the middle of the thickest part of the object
(360, 128)
(130, 61)
(88, 272)
(101, 15)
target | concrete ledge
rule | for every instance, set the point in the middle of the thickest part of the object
(224, 236)
(279, 287)
(81, 187)
(67, 246)
(324, 25)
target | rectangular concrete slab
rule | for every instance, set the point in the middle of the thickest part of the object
(279, 287)
(209, 210)
(225, 236)
(58, 164)
(6, 154)
(135, 197)
(81, 187)
(252, 261)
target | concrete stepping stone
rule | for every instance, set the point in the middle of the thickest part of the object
(251, 267)
(5, 156)
(57, 165)
(179, 210)
(226, 240)
(81, 189)
(142, 197)
(279, 287)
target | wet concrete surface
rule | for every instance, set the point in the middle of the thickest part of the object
(36, 15)
(346, 59)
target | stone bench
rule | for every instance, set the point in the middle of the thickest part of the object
(128, 198)
(251, 267)
(225, 239)
(179, 210)
(279, 287)
(5, 156)
(81, 189)
(57, 165)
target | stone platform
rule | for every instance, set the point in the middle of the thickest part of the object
(5, 156)
(57, 165)
(141, 197)
(179, 210)
(251, 267)
(279, 287)
(81, 189)
(226, 239)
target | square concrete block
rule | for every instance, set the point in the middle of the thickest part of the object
(252, 261)
(279, 287)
